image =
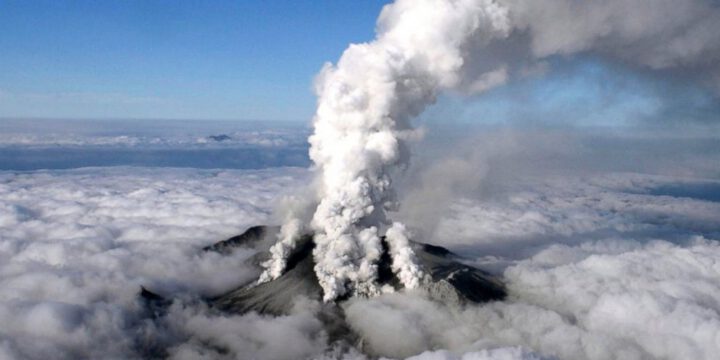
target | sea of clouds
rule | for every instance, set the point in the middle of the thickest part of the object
(32, 144)
(603, 267)
(38, 133)
(604, 256)
(76, 245)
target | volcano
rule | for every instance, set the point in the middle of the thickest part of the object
(448, 281)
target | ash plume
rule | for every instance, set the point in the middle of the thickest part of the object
(362, 124)
(367, 100)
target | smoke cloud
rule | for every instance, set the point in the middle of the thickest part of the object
(367, 100)
(362, 123)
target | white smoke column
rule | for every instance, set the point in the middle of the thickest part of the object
(404, 263)
(290, 231)
(365, 104)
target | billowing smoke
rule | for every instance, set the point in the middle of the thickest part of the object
(362, 122)
(368, 99)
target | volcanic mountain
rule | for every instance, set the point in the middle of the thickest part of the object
(448, 281)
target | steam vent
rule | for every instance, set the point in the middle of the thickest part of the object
(449, 281)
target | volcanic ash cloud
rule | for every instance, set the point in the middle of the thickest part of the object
(362, 124)
(367, 100)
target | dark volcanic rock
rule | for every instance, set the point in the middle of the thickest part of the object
(451, 281)
(250, 238)
(455, 281)
(219, 138)
(155, 304)
(276, 297)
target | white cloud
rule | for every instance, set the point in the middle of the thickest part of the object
(660, 297)
(28, 133)
(564, 209)
(511, 353)
(598, 267)
(296, 336)
(591, 301)
(75, 247)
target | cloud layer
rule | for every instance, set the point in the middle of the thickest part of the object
(154, 134)
(599, 265)
(75, 247)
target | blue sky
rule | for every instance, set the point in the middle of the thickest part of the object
(172, 59)
(255, 60)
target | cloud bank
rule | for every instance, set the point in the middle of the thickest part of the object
(75, 247)
(67, 144)
(153, 134)
(590, 259)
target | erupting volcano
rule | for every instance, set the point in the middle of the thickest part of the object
(362, 123)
